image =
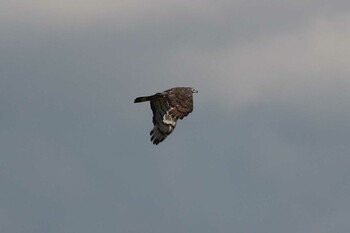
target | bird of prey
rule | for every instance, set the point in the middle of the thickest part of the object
(167, 107)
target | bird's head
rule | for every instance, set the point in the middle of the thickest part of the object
(194, 90)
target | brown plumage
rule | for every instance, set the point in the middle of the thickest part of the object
(167, 107)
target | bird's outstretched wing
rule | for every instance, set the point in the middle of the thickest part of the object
(164, 122)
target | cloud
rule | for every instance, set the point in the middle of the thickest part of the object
(131, 14)
(266, 148)
(84, 13)
(44, 168)
(294, 66)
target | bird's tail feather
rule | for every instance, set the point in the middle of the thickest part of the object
(145, 98)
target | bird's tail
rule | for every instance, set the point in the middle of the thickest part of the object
(145, 98)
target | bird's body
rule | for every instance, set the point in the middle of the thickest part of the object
(167, 107)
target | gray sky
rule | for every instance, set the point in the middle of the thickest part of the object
(265, 150)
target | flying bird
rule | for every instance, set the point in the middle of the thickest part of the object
(167, 107)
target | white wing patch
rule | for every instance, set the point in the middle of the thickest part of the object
(168, 119)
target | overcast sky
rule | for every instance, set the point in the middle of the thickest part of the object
(266, 149)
